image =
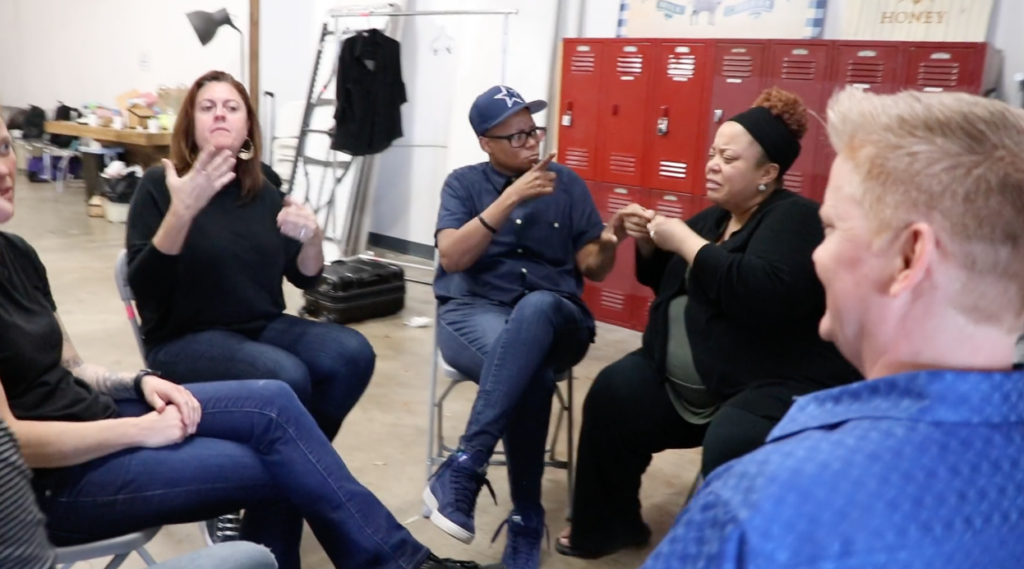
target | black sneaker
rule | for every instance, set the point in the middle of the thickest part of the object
(435, 562)
(223, 529)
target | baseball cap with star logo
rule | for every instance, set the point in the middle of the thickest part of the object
(497, 104)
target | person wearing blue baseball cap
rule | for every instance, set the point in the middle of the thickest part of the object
(516, 235)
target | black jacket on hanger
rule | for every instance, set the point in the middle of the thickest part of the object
(370, 94)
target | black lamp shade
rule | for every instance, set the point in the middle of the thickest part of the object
(206, 24)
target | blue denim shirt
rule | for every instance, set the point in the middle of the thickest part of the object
(535, 249)
(922, 470)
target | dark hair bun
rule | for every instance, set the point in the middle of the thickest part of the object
(788, 107)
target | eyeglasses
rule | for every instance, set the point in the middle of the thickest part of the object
(518, 139)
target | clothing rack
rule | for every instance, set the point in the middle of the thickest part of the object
(352, 243)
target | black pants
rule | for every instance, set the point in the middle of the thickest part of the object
(627, 417)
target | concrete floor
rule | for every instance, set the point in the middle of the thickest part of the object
(384, 439)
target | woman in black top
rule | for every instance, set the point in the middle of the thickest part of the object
(207, 257)
(739, 275)
(114, 453)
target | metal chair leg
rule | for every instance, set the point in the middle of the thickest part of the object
(117, 561)
(146, 557)
(430, 413)
(571, 458)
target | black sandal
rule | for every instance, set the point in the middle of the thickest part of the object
(570, 551)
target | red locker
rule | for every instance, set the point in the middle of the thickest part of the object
(871, 66)
(625, 78)
(669, 204)
(802, 68)
(739, 74)
(591, 289)
(577, 131)
(673, 150)
(936, 67)
(615, 299)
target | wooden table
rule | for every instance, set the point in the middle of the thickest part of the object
(141, 146)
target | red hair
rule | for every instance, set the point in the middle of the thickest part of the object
(787, 106)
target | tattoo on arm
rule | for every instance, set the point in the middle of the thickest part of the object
(116, 385)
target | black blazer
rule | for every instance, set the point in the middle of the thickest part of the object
(755, 302)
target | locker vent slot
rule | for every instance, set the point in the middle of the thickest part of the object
(794, 181)
(632, 64)
(865, 72)
(938, 74)
(617, 202)
(799, 70)
(577, 158)
(738, 66)
(623, 163)
(670, 209)
(584, 63)
(670, 169)
(681, 67)
(612, 300)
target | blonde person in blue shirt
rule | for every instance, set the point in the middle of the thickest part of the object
(919, 466)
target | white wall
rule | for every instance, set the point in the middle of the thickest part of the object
(84, 52)
(441, 88)
(70, 50)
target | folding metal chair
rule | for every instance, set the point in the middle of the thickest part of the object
(230, 525)
(438, 450)
(119, 547)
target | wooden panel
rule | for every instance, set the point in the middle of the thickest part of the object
(916, 20)
(106, 134)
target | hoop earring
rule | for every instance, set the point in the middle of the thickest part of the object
(244, 154)
(762, 188)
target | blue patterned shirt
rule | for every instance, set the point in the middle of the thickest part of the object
(922, 470)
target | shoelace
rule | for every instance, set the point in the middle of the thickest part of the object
(228, 528)
(467, 488)
(516, 552)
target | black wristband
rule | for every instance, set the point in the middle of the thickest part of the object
(138, 382)
(487, 225)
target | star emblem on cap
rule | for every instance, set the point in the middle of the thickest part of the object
(509, 95)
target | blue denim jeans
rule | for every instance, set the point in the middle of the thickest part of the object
(257, 449)
(327, 365)
(514, 354)
(231, 555)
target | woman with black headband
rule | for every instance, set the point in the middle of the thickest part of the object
(733, 330)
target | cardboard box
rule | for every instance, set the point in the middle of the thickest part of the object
(138, 116)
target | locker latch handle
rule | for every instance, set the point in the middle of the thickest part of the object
(567, 117)
(663, 122)
(718, 115)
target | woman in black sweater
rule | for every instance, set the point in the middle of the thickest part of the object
(739, 276)
(209, 241)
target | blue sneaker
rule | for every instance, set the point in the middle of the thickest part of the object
(522, 548)
(451, 496)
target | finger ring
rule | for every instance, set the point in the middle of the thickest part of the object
(652, 234)
(302, 233)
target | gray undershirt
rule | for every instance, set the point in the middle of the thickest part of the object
(685, 387)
